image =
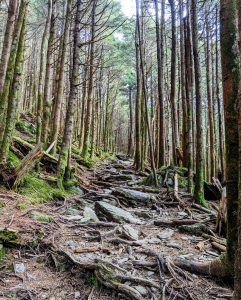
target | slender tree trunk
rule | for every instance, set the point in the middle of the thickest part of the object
(146, 106)
(199, 180)
(74, 80)
(60, 76)
(138, 95)
(85, 149)
(130, 138)
(188, 84)
(49, 61)
(13, 100)
(7, 42)
(231, 81)
(41, 72)
(209, 98)
(160, 59)
(175, 143)
(220, 117)
(237, 280)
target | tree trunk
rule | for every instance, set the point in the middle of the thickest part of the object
(199, 180)
(8, 37)
(231, 80)
(41, 72)
(175, 143)
(13, 99)
(237, 280)
(138, 95)
(85, 149)
(160, 59)
(49, 61)
(209, 98)
(74, 79)
(60, 77)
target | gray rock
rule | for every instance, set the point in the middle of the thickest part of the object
(174, 245)
(72, 211)
(154, 240)
(129, 232)
(80, 191)
(182, 214)
(166, 234)
(72, 218)
(116, 214)
(142, 290)
(77, 295)
(19, 268)
(134, 195)
(150, 273)
(89, 215)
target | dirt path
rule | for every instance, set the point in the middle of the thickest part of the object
(108, 243)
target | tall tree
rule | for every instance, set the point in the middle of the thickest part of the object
(231, 82)
(14, 94)
(74, 80)
(199, 179)
(160, 61)
(8, 37)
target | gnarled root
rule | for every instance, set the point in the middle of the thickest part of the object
(215, 268)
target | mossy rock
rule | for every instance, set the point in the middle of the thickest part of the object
(181, 171)
(25, 127)
(150, 180)
(37, 216)
(8, 236)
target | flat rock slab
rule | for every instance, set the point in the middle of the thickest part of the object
(166, 234)
(116, 214)
(134, 195)
(129, 232)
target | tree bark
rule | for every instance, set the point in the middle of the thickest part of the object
(231, 81)
(60, 77)
(160, 60)
(237, 280)
(199, 180)
(13, 99)
(74, 79)
(8, 37)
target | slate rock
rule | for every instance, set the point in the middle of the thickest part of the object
(89, 215)
(142, 290)
(166, 234)
(129, 232)
(134, 195)
(115, 214)
(174, 245)
(19, 268)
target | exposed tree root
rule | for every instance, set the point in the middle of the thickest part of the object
(215, 268)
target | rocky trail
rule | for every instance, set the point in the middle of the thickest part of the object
(116, 239)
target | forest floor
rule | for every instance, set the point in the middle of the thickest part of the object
(125, 239)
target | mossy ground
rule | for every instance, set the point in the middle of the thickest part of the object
(13, 159)
(39, 191)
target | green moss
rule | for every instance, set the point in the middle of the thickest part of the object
(2, 204)
(8, 236)
(2, 251)
(13, 159)
(25, 127)
(22, 206)
(42, 217)
(150, 180)
(93, 281)
(38, 190)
